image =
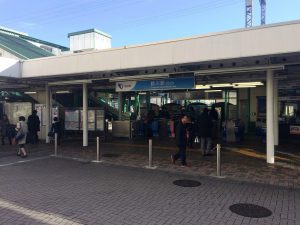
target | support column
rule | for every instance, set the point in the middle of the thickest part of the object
(85, 114)
(270, 117)
(276, 133)
(50, 107)
(47, 116)
(120, 104)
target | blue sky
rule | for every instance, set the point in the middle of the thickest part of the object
(136, 21)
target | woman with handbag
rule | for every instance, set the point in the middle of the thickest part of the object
(22, 131)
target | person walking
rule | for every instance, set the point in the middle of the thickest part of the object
(33, 127)
(205, 131)
(4, 129)
(56, 129)
(22, 130)
(181, 141)
(214, 115)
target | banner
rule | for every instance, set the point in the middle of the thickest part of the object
(154, 85)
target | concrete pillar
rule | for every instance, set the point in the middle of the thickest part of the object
(50, 107)
(120, 104)
(85, 114)
(270, 117)
(47, 116)
(276, 132)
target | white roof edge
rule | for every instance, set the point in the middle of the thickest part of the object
(176, 40)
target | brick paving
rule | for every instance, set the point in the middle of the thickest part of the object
(240, 164)
(61, 191)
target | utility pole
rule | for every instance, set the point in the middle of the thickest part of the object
(249, 12)
(248, 21)
(262, 12)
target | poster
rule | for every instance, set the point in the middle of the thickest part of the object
(72, 119)
(100, 120)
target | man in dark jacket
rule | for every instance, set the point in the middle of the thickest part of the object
(33, 123)
(181, 141)
(56, 128)
(204, 125)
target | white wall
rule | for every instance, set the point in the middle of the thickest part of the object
(90, 40)
(9, 67)
(266, 40)
(6, 54)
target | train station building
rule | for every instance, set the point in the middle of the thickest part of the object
(251, 76)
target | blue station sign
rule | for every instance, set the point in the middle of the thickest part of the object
(155, 85)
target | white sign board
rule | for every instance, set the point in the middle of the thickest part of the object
(125, 86)
(295, 130)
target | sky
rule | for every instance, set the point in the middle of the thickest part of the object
(136, 21)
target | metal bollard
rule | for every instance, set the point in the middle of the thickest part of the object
(150, 166)
(55, 144)
(218, 160)
(150, 153)
(98, 149)
(98, 158)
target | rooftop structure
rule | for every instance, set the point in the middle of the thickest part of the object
(18, 45)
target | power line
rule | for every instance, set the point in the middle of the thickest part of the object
(66, 11)
(199, 9)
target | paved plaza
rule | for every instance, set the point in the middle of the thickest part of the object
(53, 190)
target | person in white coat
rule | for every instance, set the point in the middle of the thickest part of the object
(22, 131)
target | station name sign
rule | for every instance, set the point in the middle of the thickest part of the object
(155, 85)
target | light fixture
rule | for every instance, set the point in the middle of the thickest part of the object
(208, 91)
(222, 85)
(245, 86)
(29, 92)
(62, 92)
(256, 83)
(199, 87)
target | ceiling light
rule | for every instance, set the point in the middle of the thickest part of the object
(207, 91)
(202, 87)
(245, 86)
(29, 92)
(222, 85)
(62, 92)
(258, 83)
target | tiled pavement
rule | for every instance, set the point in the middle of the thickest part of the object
(60, 191)
(240, 164)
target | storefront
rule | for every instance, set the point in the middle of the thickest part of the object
(163, 101)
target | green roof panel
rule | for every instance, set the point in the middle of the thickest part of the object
(21, 48)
